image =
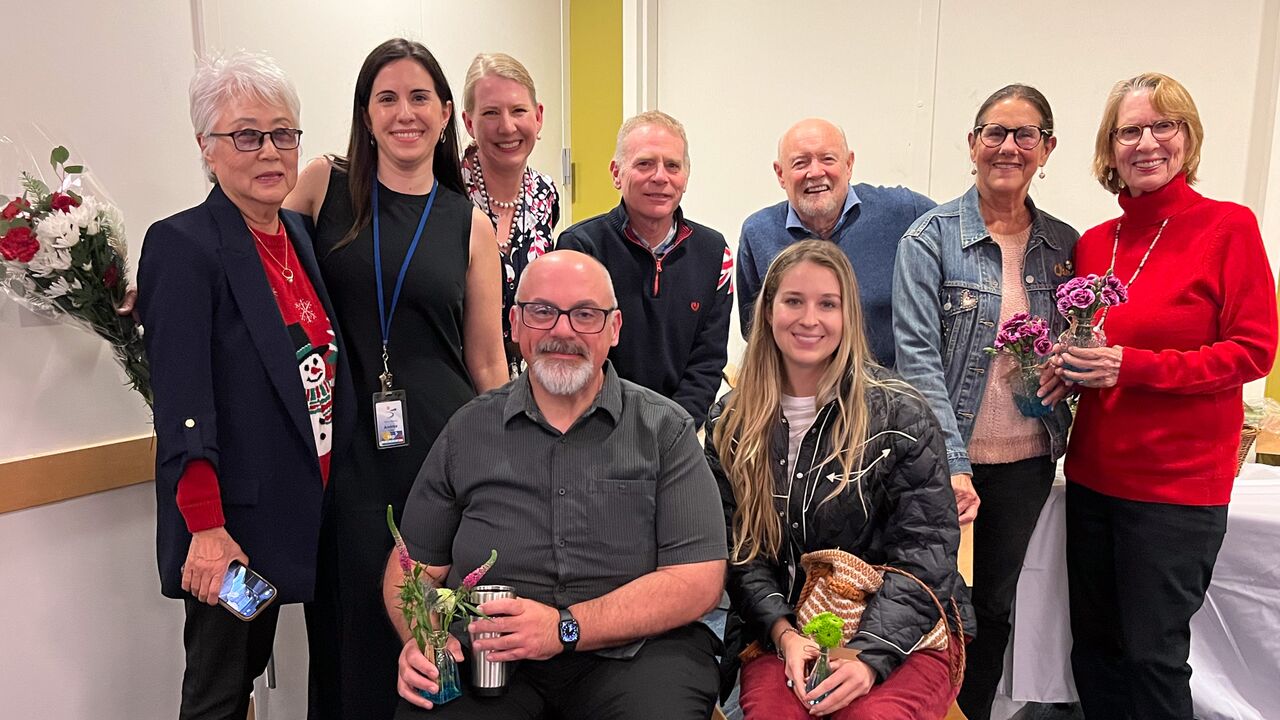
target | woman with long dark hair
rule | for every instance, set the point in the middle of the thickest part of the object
(414, 273)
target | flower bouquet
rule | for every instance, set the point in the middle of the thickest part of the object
(64, 257)
(1025, 337)
(825, 629)
(424, 606)
(1079, 300)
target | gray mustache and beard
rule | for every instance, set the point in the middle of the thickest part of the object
(562, 377)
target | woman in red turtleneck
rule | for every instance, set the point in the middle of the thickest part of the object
(1152, 454)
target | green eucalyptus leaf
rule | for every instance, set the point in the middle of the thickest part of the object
(73, 169)
(58, 156)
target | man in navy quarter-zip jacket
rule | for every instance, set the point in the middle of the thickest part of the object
(673, 277)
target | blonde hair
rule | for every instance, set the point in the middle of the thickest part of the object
(499, 64)
(1169, 98)
(650, 117)
(743, 432)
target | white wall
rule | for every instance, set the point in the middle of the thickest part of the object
(905, 79)
(84, 631)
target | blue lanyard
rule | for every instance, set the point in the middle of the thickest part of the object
(384, 314)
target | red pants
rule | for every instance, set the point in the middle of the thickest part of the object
(919, 689)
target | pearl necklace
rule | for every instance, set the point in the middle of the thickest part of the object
(484, 191)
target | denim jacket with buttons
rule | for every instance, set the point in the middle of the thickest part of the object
(946, 310)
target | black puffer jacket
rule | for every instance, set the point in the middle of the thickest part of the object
(900, 511)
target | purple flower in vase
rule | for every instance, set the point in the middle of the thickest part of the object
(1064, 306)
(1109, 296)
(1043, 345)
(1017, 319)
(1082, 298)
(1113, 283)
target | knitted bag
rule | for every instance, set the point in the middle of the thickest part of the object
(840, 583)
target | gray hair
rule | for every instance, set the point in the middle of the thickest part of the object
(220, 77)
(656, 118)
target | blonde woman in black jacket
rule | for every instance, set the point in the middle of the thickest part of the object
(820, 448)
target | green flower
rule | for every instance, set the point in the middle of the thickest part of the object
(825, 629)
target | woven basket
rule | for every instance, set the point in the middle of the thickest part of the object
(1247, 435)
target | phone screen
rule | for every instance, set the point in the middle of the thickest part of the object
(244, 592)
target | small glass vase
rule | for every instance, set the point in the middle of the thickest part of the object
(1025, 381)
(821, 671)
(450, 687)
(1082, 333)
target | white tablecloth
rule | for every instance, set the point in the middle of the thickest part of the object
(1235, 638)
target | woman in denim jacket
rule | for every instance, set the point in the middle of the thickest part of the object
(962, 269)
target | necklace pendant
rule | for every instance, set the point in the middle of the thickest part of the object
(287, 273)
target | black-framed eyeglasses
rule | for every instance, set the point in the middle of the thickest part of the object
(248, 140)
(586, 320)
(1026, 137)
(1161, 130)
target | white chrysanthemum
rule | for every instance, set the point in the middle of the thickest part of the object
(57, 229)
(109, 217)
(61, 287)
(85, 215)
(49, 260)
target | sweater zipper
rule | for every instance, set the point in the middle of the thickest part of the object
(682, 232)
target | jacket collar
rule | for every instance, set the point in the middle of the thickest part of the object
(258, 305)
(973, 228)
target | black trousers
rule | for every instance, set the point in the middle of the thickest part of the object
(1011, 496)
(673, 676)
(224, 655)
(1136, 573)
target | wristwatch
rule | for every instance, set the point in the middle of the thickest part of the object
(568, 630)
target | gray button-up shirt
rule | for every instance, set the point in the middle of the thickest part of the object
(572, 515)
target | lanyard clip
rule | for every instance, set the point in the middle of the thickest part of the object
(385, 377)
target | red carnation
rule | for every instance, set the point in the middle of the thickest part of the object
(63, 202)
(111, 276)
(18, 244)
(14, 207)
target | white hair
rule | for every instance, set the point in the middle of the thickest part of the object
(220, 77)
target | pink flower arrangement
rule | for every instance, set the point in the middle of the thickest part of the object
(423, 604)
(1082, 297)
(1024, 336)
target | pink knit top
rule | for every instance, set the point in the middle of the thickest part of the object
(1001, 434)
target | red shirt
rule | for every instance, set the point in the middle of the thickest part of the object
(316, 352)
(1200, 322)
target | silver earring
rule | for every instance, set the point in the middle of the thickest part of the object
(441, 137)
(974, 170)
(1041, 172)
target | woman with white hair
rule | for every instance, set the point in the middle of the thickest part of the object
(503, 115)
(246, 365)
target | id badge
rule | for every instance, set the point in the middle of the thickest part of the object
(390, 422)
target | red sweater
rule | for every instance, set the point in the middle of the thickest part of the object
(1200, 322)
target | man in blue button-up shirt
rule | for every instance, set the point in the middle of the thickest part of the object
(814, 166)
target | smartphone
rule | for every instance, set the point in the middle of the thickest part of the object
(244, 592)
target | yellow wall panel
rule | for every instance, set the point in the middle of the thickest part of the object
(595, 101)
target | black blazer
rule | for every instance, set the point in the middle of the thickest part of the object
(228, 390)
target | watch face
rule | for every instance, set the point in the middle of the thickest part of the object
(568, 631)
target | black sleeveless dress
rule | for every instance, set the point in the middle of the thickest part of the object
(354, 648)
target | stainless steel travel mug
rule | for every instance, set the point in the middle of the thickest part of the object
(488, 678)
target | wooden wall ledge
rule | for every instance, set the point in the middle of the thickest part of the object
(43, 479)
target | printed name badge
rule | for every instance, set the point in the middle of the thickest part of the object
(391, 429)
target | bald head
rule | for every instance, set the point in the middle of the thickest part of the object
(568, 268)
(811, 129)
(814, 166)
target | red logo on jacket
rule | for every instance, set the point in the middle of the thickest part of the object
(695, 305)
